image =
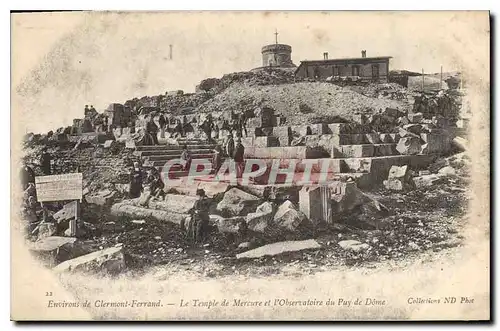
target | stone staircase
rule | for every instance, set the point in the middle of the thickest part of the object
(157, 156)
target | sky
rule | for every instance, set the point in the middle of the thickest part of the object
(62, 61)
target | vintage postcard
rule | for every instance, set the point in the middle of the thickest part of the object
(319, 166)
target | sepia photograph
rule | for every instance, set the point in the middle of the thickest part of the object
(250, 165)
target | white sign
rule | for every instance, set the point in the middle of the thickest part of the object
(59, 187)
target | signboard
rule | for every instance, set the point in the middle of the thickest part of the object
(59, 187)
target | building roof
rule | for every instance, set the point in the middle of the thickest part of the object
(351, 59)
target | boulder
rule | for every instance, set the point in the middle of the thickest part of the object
(399, 178)
(266, 207)
(353, 245)
(460, 143)
(279, 248)
(46, 230)
(126, 209)
(237, 203)
(175, 203)
(52, 250)
(447, 171)
(427, 180)
(290, 219)
(229, 225)
(409, 146)
(101, 198)
(109, 260)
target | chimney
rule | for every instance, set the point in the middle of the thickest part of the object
(363, 53)
(325, 56)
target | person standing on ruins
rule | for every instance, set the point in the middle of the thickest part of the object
(239, 152)
(152, 129)
(199, 226)
(242, 125)
(27, 176)
(163, 123)
(136, 179)
(229, 146)
(186, 157)
(45, 161)
(217, 159)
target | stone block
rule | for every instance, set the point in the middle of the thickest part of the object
(372, 138)
(386, 138)
(415, 117)
(312, 204)
(130, 144)
(279, 248)
(109, 261)
(357, 150)
(175, 203)
(301, 130)
(52, 250)
(290, 219)
(319, 128)
(237, 202)
(282, 131)
(435, 143)
(266, 131)
(353, 245)
(284, 141)
(356, 165)
(338, 128)
(235, 225)
(384, 149)
(409, 146)
(101, 198)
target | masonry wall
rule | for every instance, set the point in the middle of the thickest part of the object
(324, 71)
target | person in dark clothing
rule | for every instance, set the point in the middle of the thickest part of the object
(229, 146)
(242, 125)
(136, 178)
(239, 151)
(92, 109)
(186, 156)
(179, 128)
(207, 127)
(199, 226)
(86, 110)
(217, 159)
(152, 130)
(27, 176)
(45, 161)
(156, 184)
(163, 123)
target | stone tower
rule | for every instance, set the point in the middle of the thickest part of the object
(277, 55)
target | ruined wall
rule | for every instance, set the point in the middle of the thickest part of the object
(344, 70)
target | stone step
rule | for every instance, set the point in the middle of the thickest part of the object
(379, 165)
(365, 150)
(174, 147)
(161, 159)
(177, 152)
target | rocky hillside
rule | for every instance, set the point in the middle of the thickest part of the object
(302, 102)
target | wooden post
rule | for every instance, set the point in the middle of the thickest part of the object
(441, 79)
(73, 224)
(423, 89)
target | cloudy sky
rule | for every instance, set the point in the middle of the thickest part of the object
(62, 61)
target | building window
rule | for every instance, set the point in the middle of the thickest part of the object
(355, 70)
(375, 72)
